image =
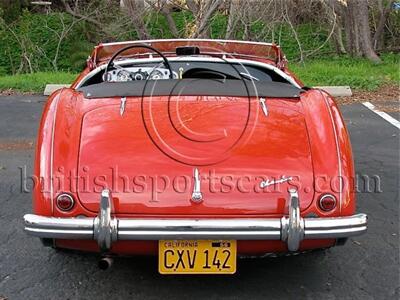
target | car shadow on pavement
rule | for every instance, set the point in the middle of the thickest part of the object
(254, 276)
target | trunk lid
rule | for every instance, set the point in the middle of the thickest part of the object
(147, 155)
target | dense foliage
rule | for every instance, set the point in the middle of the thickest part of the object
(29, 44)
(60, 38)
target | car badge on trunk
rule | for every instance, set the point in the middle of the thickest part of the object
(265, 183)
(197, 196)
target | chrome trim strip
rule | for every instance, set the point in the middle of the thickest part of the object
(337, 151)
(53, 131)
(334, 233)
(239, 229)
(358, 220)
(106, 229)
(59, 228)
(184, 234)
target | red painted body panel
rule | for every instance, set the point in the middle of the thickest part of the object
(129, 154)
(304, 137)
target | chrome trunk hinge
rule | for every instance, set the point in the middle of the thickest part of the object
(122, 107)
(197, 196)
(264, 106)
(180, 73)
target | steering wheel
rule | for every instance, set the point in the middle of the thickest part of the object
(111, 61)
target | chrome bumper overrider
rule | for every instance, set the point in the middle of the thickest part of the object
(106, 229)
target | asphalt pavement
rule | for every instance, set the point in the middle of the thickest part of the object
(367, 267)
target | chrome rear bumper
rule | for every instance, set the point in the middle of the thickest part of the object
(106, 229)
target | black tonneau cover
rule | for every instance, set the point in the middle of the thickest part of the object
(192, 87)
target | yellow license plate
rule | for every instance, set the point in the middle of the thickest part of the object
(197, 257)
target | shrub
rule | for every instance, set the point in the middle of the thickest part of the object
(31, 44)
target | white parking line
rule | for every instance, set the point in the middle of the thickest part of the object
(384, 115)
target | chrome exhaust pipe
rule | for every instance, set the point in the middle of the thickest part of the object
(105, 263)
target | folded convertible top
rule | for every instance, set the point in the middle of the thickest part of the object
(192, 87)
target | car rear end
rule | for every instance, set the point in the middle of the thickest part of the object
(197, 178)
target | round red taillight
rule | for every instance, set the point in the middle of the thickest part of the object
(65, 202)
(327, 202)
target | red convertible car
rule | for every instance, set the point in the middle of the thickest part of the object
(198, 151)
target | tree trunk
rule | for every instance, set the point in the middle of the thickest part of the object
(335, 14)
(352, 43)
(135, 10)
(377, 41)
(202, 13)
(364, 33)
(193, 6)
(358, 36)
(166, 11)
(338, 40)
(232, 19)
